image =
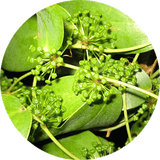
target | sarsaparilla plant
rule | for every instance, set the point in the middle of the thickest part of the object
(77, 72)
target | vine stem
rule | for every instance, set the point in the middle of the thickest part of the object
(131, 86)
(80, 46)
(117, 82)
(136, 57)
(19, 79)
(46, 130)
(34, 85)
(70, 66)
(126, 115)
(155, 74)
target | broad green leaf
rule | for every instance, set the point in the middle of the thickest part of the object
(129, 34)
(81, 116)
(17, 53)
(68, 26)
(63, 87)
(74, 144)
(50, 28)
(20, 117)
(102, 140)
(135, 98)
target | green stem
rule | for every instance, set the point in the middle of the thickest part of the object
(70, 66)
(45, 129)
(34, 85)
(136, 57)
(155, 74)
(126, 116)
(37, 119)
(19, 79)
(117, 82)
(131, 86)
(16, 91)
(79, 45)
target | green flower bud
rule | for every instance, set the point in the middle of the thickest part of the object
(57, 110)
(76, 32)
(59, 119)
(32, 60)
(140, 111)
(113, 45)
(35, 126)
(69, 42)
(91, 47)
(85, 12)
(53, 64)
(144, 106)
(88, 75)
(54, 75)
(101, 48)
(44, 69)
(135, 118)
(48, 81)
(75, 20)
(43, 118)
(105, 99)
(48, 108)
(36, 112)
(85, 94)
(59, 53)
(47, 55)
(38, 78)
(95, 69)
(103, 81)
(92, 28)
(60, 60)
(54, 51)
(84, 38)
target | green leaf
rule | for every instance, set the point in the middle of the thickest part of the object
(63, 87)
(20, 117)
(129, 34)
(16, 56)
(50, 28)
(81, 116)
(73, 144)
(68, 26)
(135, 98)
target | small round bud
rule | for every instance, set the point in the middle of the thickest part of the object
(54, 51)
(60, 60)
(59, 53)
(53, 75)
(35, 126)
(43, 118)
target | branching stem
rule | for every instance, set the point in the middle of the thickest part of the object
(155, 74)
(136, 57)
(118, 82)
(34, 85)
(46, 130)
(126, 115)
(78, 45)
(19, 79)
(70, 66)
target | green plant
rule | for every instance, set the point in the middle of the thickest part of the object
(82, 79)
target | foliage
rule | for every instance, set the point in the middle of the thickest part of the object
(75, 57)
